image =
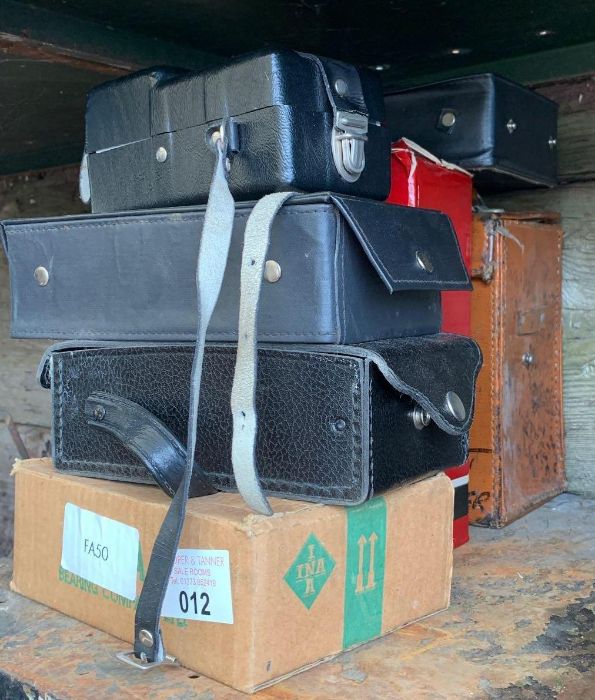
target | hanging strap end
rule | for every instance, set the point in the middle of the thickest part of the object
(142, 663)
(140, 659)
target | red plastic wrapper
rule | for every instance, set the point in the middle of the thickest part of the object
(420, 179)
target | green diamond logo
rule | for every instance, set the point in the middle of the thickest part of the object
(310, 571)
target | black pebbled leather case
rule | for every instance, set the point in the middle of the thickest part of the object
(287, 118)
(336, 424)
(503, 132)
(350, 270)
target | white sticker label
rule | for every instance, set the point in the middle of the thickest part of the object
(200, 586)
(100, 550)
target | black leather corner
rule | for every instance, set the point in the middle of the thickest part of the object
(427, 369)
(392, 236)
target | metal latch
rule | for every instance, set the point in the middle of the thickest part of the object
(142, 663)
(350, 133)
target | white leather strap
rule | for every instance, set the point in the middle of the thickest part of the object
(212, 261)
(243, 403)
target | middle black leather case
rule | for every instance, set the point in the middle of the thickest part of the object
(341, 270)
(337, 424)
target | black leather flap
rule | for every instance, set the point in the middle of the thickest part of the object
(437, 371)
(410, 248)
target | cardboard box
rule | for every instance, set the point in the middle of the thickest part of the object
(305, 584)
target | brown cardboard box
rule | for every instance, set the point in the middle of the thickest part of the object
(305, 584)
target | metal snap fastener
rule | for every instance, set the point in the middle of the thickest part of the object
(340, 87)
(511, 126)
(161, 154)
(42, 276)
(528, 359)
(448, 119)
(424, 261)
(455, 406)
(272, 271)
(420, 417)
(552, 142)
(339, 425)
(145, 638)
(99, 413)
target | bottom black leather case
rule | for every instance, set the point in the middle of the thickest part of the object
(337, 424)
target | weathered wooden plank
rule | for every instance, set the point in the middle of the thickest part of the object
(37, 443)
(579, 323)
(576, 127)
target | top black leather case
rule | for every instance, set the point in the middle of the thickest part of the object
(286, 116)
(350, 270)
(503, 132)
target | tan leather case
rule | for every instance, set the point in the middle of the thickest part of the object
(517, 438)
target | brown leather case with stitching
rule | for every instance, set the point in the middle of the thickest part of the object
(517, 437)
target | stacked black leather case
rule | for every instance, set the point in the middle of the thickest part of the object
(349, 270)
(356, 389)
(336, 424)
(503, 132)
(149, 135)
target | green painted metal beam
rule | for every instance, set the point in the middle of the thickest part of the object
(93, 42)
(530, 69)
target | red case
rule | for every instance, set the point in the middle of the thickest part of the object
(419, 179)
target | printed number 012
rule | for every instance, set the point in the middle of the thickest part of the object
(185, 601)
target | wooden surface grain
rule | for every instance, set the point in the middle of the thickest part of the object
(576, 127)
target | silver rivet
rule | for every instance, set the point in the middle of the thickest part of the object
(42, 276)
(145, 638)
(455, 406)
(424, 261)
(339, 425)
(340, 87)
(161, 154)
(448, 119)
(215, 136)
(99, 413)
(552, 142)
(421, 418)
(272, 271)
(528, 359)
(511, 126)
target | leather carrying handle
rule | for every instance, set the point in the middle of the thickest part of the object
(148, 438)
